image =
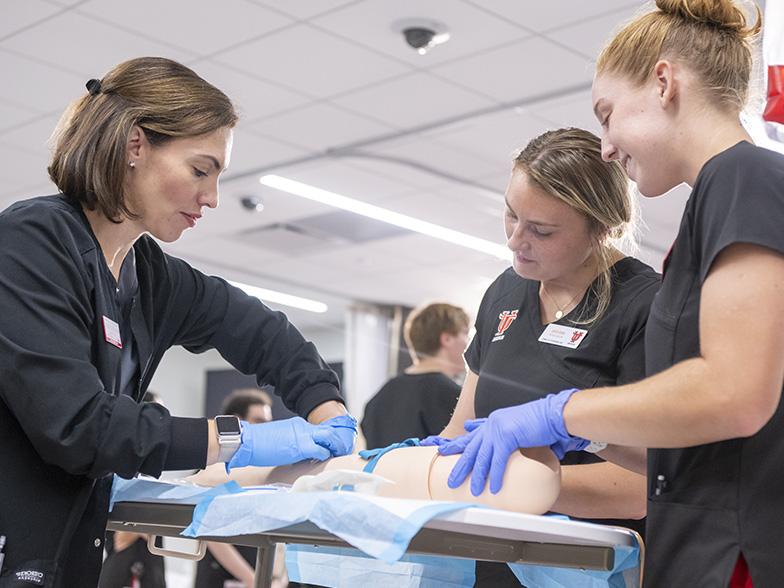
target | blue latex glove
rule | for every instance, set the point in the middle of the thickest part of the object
(457, 445)
(342, 437)
(282, 442)
(433, 441)
(534, 424)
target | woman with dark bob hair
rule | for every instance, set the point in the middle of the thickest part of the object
(91, 303)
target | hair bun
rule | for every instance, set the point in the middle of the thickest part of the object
(725, 14)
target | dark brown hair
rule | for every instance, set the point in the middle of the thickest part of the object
(163, 97)
(239, 401)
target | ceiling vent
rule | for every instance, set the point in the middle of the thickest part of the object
(319, 233)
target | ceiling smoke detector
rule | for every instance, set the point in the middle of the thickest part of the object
(423, 35)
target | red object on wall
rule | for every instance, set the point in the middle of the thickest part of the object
(774, 110)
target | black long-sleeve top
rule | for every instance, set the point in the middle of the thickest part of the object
(63, 430)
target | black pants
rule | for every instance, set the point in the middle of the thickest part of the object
(120, 567)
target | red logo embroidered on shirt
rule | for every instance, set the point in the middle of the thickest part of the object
(507, 318)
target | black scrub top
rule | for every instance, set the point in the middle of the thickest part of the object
(409, 405)
(718, 499)
(68, 416)
(514, 367)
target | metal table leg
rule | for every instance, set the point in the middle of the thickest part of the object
(265, 559)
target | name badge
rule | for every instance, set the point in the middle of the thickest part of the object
(111, 332)
(563, 335)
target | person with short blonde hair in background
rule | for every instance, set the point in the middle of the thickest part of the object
(419, 402)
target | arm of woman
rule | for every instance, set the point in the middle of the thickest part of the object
(206, 312)
(51, 383)
(731, 390)
(464, 410)
(231, 560)
(601, 491)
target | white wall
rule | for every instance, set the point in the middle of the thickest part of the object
(181, 378)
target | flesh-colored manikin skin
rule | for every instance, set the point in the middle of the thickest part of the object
(531, 482)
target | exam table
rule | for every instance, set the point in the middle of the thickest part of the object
(474, 533)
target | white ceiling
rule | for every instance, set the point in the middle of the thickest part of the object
(316, 75)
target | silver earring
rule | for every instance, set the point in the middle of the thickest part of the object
(132, 164)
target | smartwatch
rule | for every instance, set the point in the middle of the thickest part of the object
(229, 436)
(595, 447)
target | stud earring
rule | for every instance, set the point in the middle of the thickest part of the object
(132, 164)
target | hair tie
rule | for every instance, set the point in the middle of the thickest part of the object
(93, 86)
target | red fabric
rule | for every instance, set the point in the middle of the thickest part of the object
(774, 110)
(741, 577)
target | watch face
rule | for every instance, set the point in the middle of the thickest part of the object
(227, 425)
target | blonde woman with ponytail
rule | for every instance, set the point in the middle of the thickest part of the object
(569, 312)
(668, 91)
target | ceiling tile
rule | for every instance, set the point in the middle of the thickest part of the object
(377, 24)
(40, 87)
(312, 62)
(318, 127)
(87, 46)
(304, 10)
(589, 37)
(12, 115)
(413, 100)
(571, 111)
(23, 169)
(32, 137)
(253, 97)
(414, 156)
(457, 211)
(347, 178)
(201, 28)
(18, 14)
(496, 137)
(519, 71)
(544, 16)
(251, 151)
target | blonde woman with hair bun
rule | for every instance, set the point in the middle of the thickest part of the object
(668, 92)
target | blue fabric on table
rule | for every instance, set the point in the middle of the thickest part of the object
(144, 490)
(347, 568)
(355, 518)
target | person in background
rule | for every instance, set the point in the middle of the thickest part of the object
(419, 403)
(128, 562)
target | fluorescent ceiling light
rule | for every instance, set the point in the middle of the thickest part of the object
(384, 215)
(280, 298)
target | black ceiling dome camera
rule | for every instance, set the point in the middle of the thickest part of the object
(422, 34)
(419, 37)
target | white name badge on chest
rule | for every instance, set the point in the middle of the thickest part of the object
(563, 336)
(111, 332)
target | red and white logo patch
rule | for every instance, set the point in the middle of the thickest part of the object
(506, 318)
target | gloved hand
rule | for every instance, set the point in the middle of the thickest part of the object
(457, 445)
(534, 424)
(342, 437)
(433, 441)
(282, 442)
